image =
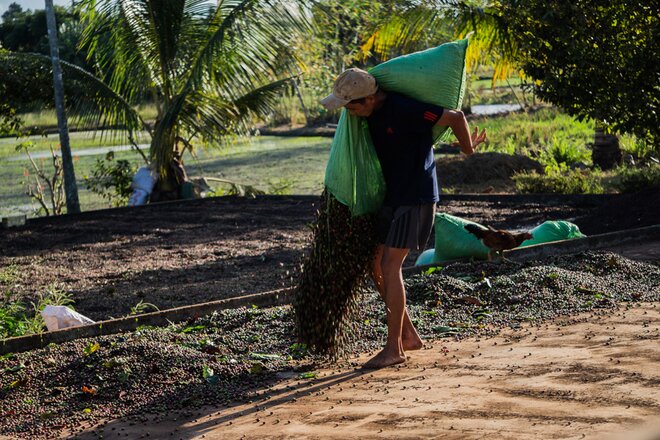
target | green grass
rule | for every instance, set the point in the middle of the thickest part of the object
(297, 165)
(77, 140)
(532, 133)
(487, 83)
(48, 118)
(269, 163)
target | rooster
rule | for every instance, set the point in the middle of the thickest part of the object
(497, 240)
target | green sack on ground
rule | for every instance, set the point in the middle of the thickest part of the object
(453, 241)
(553, 231)
(426, 257)
(435, 76)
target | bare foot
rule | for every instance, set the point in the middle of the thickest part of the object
(384, 359)
(411, 340)
(412, 343)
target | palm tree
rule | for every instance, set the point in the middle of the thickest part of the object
(209, 68)
(490, 42)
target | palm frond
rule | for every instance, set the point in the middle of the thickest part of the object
(410, 30)
(490, 43)
(245, 47)
(260, 101)
(143, 46)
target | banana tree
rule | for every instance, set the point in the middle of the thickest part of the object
(209, 67)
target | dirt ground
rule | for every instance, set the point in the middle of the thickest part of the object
(592, 376)
(183, 253)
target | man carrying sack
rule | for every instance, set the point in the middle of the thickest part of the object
(401, 132)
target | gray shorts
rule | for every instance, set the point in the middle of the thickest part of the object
(405, 227)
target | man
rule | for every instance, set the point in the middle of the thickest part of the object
(401, 130)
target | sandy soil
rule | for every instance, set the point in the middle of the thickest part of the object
(593, 376)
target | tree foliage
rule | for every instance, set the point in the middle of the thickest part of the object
(420, 25)
(346, 30)
(209, 69)
(26, 31)
(596, 59)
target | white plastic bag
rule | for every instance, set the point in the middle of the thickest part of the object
(58, 317)
(142, 184)
(144, 179)
(138, 197)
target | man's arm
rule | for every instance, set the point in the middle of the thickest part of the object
(455, 119)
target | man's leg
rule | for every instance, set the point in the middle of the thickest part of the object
(395, 302)
(410, 338)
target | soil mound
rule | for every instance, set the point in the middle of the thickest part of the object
(483, 167)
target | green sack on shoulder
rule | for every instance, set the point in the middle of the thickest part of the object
(435, 76)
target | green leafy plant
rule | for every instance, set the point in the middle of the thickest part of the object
(639, 149)
(233, 189)
(48, 191)
(111, 179)
(281, 186)
(298, 350)
(10, 122)
(142, 307)
(14, 319)
(629, 180)
(431, 270)
(9, 274)
(91, 348)
(561, 151)
(559, 180)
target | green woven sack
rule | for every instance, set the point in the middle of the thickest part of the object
(435, 76)
(453, 241)
(553, 231)
(353, 174)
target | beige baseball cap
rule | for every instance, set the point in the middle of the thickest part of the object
(351, 84)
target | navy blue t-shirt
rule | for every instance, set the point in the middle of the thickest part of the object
(401, 131)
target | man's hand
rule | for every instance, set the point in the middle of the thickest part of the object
(459, 125)
(476, 139)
